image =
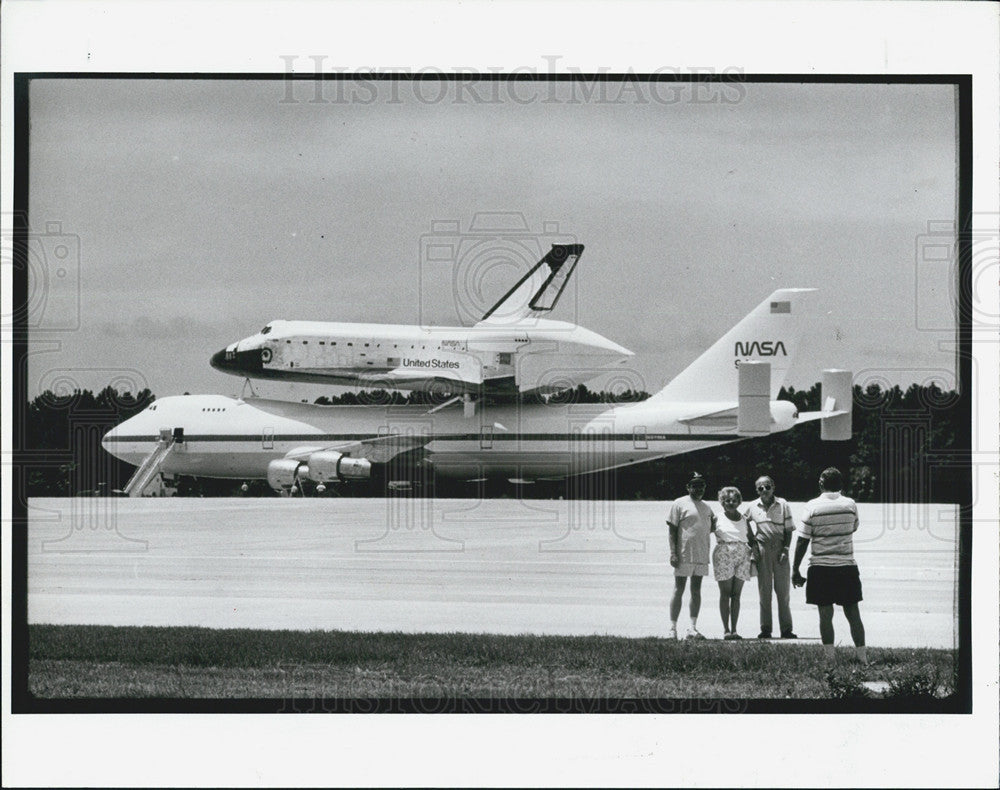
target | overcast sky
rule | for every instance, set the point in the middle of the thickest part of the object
(205, 209)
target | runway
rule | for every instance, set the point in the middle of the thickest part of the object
(402, 564)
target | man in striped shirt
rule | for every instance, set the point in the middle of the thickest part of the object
(773, 525)
(829, 523)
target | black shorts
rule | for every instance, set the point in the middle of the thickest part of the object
(833, 584)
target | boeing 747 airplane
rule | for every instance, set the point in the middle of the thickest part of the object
(727, 394)
(513, 348)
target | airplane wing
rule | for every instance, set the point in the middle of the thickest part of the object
(377, 449)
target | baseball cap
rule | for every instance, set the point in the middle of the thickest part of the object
(696, 479)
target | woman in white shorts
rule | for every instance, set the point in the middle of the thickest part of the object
(734, 546)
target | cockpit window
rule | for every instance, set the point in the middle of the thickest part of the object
(266, 329)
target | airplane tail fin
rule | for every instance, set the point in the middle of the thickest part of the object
(771, 333)
(539, 290)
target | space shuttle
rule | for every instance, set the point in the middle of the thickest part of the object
(513, 348)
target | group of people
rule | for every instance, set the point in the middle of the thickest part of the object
(755, 540)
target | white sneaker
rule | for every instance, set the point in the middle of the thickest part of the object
(694, 634)
(672, 633)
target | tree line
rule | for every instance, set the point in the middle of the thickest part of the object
(907, 446)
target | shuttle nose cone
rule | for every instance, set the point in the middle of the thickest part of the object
(218, 360)
(239, 363)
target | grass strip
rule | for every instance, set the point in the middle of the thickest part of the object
(187, 662)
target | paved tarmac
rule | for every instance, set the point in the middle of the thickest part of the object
(498, 566)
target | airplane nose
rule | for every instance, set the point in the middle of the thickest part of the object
(109, 437)
(110, 441)
(239, 363)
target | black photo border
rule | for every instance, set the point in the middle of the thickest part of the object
(22, 701)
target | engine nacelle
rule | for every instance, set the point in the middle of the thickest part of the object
(327, 466)
(283, 474)
(355, 468)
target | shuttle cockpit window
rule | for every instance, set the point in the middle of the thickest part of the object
(266, 329)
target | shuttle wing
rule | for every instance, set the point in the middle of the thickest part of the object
(458, 370)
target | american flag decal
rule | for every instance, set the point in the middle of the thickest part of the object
(781, 307)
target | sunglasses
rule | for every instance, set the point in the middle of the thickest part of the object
(764, 488)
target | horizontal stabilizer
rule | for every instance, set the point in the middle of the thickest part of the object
(809, 416)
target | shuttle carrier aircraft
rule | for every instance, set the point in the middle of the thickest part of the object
(512, 348)
(727, 394)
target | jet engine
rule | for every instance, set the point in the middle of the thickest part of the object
(328, 465)
(284, 474)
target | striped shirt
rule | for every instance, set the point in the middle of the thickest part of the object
(772, 522)
(830, 521)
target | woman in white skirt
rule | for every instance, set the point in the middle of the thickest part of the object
(734, 547)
